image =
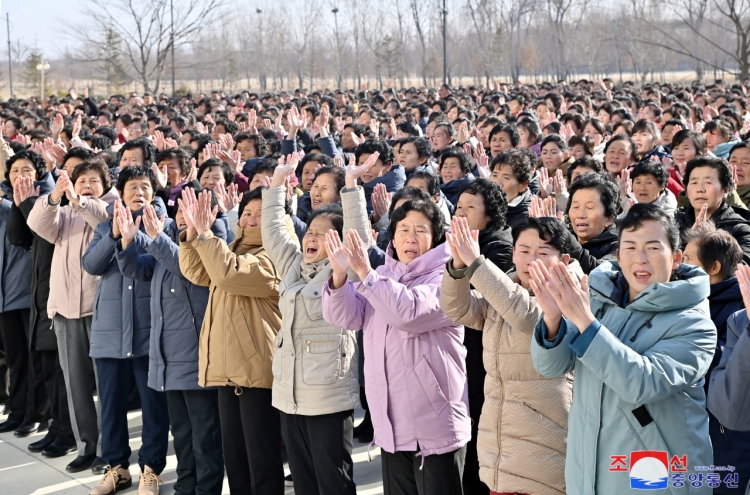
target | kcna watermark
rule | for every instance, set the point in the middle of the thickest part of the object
(656, 470)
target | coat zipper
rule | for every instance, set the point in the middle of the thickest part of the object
(310, 342)
(192, 315)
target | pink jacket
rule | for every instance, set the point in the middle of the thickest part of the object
(415, 361)
(70, 229)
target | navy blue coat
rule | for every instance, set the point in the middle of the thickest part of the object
(394, 180)
(122, 306)
(177, 308)
(15, 286)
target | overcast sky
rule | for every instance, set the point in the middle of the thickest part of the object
(40, 21)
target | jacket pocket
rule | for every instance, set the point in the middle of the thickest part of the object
(649, 435)
(243, 333)
(430, 385)
(321, 359)
(314, 307)
(277, 366)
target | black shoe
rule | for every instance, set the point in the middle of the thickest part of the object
(59, 449)
(366, 436)
(9, 425)
(98, 466)
(29, 427)
(80, 463)
(365, 425)
(42, 444)
(288, 481)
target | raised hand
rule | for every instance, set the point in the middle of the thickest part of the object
(323, 122)
(464, 240)
(743, 277)
(354, 171)
(128, 228)
(626, 185)
(381, 202)
(284, 169)
(193, 170)
(159, 140)
(540, 283)
(24, 189)
(339, 125)
(57, 126)
(295, 120)
(567, 131)
(226, 141)
(162, 178)
(357, 253)
(338, 256)
(702, 216)
(375, 127)
(681, 168)
(204, 216)
(152, 223)
(546, 187)
(188, 204)
(733, 187)
(558, 183)
(76, 127)
(463, 133)
(62, 186)
(234, 158)
(571, 297)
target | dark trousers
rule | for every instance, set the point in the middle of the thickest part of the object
(194, 415)
(472, 483)
(251, 436)
(114, 386)
(320, 452)
(54, 382)
(440, 475)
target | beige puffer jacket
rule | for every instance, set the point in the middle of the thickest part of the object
(314, 363)
(524, 423)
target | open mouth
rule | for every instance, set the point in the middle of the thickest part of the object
(582, 226)
(411, 253)
(87, 194)
(642, 275)
(311, 251)
(316, 202)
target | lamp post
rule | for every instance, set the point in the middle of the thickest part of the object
(171, 36)
(42, 66)
(445, 45)
(335, 11)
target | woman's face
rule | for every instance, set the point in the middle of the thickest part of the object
(530, 247)
(137, 193)
(89, 183)
(704, 188)
(413, 237)
(472, 208)
(22, 168)
(553, 157)
(542, 111)
(684, 152)
(587, 214)
(451, 170)
(740, 158)
(324, 191)
(212, 177)
(500, 142)
(504, 177)
(378, 170)
(645, 142)
(525, 137)
(618, 157)
(578, 151)
(258, 180)
(646, 188)
(595, 135)
(246, 149)
(713, 139)
(646, 257)
(173, 171)
(603, 116)
(579, 171)
(313, 243)
(179, 219)
(251, 214)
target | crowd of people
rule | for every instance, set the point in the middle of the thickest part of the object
(529, 289)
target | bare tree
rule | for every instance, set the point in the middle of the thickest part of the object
(149, 29)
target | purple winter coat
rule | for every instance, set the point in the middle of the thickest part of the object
(415, 361)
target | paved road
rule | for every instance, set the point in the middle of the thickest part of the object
(24, 473)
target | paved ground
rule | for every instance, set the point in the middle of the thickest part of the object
(24, 473)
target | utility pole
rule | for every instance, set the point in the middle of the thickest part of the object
(10, 58)
(445, 45)
(335, 11)
(171, 16)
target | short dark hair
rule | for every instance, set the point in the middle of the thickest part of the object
(585, 162)
(320, 158)
(226, 169)
(628, 139)
(183, 159)
(149, 150)
(650, 167)
(261, 145)
(510, 129)
(698, 139)
(407, 193)
(532, 128)
(458, 153)
(426, 208)
(97, 165)
(101, 142)
(518, 161)
(35, 158)
(557, 140)
(642, 212)
(77, 152)
(719, 164)
(715, 245)
(722, 125)
(495, 200)
(267, 164)
(370, 146)
(422, 145)
(432, 181)
(256, 193)
(585, 141)
(333, 212)
(136, 172)
(549, 229)
(609, 194)
(645, 125)
(338, 173)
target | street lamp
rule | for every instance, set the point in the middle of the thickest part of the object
(335, 12)
(41, 67)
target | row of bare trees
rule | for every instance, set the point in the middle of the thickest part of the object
(311, 43)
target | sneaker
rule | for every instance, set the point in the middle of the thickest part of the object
(149, 483)
(115, 479)
(288, 481)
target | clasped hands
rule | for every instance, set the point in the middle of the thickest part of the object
(343, 258)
